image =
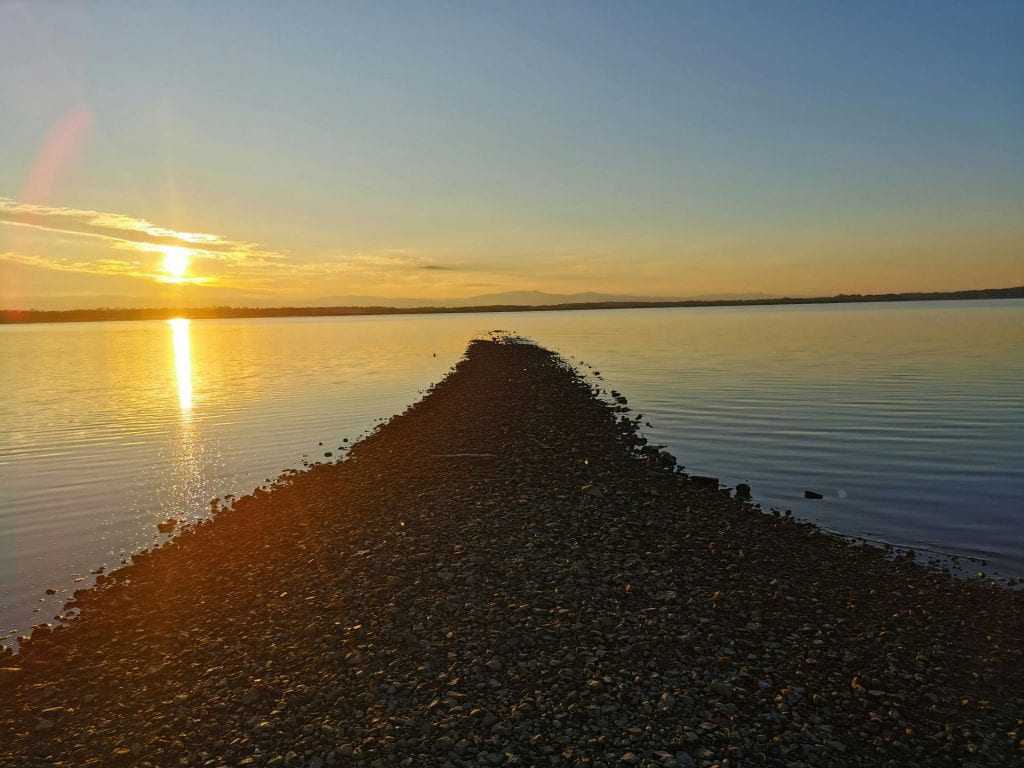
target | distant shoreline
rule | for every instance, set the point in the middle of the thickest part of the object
(16, 316)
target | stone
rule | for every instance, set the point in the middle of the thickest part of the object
(250, 697)
(10, 674)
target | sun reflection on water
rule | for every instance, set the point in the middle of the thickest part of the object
(182, 361)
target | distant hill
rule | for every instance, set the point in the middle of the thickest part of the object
(159, 313)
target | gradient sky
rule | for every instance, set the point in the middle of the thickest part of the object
(447, 149)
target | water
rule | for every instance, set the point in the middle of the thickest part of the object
(907, 417)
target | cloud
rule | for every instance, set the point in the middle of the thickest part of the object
(115, 245)
(128, 232)
(98, 267)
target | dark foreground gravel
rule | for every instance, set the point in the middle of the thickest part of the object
(500, 577)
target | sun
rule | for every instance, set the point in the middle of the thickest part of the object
(175, 261)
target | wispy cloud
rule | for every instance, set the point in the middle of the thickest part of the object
(97, 267)
(128, 232)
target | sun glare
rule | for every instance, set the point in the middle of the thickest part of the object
(175, 261)
(182, 360)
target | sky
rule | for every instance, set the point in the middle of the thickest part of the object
(273, 153)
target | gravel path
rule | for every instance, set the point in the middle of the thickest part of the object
(499, 576)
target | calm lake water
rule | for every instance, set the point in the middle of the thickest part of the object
(909, 418)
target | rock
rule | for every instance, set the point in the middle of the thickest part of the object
(742, 491)
(684, 759)
(812, 495)
(45, 724)
(10, 674)
(721, 688)
(166, 526)
(704, 481)
(250, 697)
(51, 591)
(316, 762)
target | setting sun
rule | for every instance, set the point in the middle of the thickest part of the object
(175, 261)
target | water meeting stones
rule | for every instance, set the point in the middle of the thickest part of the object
(500, 576)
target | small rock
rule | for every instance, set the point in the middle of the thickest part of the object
(812, 495)
(250, 697)
(10, 674)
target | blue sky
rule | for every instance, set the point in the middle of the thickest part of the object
(446, 149)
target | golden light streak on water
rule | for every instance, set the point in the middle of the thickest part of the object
(182, 361)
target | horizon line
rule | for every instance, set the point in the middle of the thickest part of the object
(104, 314)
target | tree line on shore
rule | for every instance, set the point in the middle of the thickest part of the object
(10, 316)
